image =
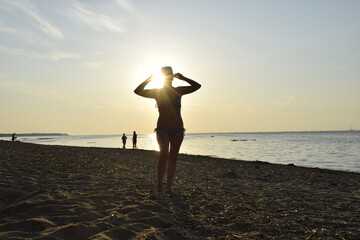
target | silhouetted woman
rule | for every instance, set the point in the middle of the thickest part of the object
(134, 139)
(124, 140)
(170, 127)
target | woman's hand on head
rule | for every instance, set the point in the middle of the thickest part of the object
(179, 76)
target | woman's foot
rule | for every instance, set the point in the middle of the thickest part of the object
(159, 195)
(159, 187)
(170, 193)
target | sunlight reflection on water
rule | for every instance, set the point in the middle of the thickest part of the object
(332, 150)
(154, 142)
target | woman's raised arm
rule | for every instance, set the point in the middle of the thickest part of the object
(140, 90)
(188, 89)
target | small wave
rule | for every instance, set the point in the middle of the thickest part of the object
(241, 140)
(44, 138)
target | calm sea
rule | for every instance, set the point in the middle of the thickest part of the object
(339, 150)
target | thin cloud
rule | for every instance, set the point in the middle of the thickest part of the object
(99, 53)
(286, 100)
(26, 36)
(6, 29)
(89, 65)
(125, 5)
(32, 90)
(40, 22)
(36, 91)
(52, 55)
(95, 20)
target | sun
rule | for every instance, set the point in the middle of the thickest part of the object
(157, 81)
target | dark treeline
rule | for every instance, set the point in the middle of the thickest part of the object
(32, 134)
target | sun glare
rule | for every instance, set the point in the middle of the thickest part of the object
(153, 66)
(157, 81)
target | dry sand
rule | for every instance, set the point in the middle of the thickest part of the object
(57, 192)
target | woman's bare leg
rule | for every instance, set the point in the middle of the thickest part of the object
(175, 143)
(163, 141)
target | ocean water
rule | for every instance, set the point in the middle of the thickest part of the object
(338, 150)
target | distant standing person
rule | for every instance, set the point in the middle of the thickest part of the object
(124, 140)
(170, 128)
(134, 139)
(13, 137)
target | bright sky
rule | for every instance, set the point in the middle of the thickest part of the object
(71, 66)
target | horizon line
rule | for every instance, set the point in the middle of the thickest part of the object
(286, 131)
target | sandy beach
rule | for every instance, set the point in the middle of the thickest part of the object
(57, 192)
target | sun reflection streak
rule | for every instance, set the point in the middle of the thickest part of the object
(154, 141)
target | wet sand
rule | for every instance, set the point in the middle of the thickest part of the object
(57, 192)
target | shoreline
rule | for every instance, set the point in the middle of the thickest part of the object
(195, 155)
(52, 191)
(300, 149)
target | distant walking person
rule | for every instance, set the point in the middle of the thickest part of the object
(170, 127)
(13, 137)
(124, 140)
(134, 139)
